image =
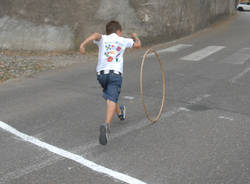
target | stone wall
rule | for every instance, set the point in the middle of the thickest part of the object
(62, 24)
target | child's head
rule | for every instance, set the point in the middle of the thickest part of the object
(113, 27)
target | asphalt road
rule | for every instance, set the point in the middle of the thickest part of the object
(203, 135)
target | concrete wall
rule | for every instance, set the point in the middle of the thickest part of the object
(63, 24)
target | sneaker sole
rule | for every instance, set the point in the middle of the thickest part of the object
(103, 135)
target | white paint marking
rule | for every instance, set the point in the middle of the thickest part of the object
(143, 123)
(173, 112)
(129, 97)
(239, 57)
(203, 53)
(87, 163)
(198, 99)
(175, 48)
(146, 122)
(184, 109)
(83, 149)
(227, 118)
(240, 75)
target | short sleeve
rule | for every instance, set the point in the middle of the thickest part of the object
(97, 42)
(129, 42)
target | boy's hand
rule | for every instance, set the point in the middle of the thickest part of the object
(94, 36)
(82, 50)
(137, 42)
(134, 35)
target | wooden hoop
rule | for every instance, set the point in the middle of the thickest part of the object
(163, 85)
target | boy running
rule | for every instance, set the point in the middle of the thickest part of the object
(110, 69)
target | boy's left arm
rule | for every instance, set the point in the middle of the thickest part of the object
(94, 36)
(137, 41)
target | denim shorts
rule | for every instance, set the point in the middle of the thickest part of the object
(111, 84)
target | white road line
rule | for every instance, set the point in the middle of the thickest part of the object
(198, 99)
(239, 57)
(203, 53)
(175, 48)
(66, 154)
(145, 122)
(173, 112)
(141, 124)
(240, 75)
(129, 97)
(226, 118)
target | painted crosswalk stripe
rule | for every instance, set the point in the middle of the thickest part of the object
(239, 57)
(72, 156)
(203, 53)
(175, 48)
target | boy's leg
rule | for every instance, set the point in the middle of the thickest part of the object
(105, 128)
(110, 111)
(113, 107)
(111, 90)
(118, 109)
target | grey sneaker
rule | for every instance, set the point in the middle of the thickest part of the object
(104, 134)
(122, 116)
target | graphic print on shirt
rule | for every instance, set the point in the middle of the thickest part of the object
(112, 52)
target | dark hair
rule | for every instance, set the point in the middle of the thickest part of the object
(112, 27)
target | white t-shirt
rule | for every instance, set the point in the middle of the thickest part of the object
(111, 50)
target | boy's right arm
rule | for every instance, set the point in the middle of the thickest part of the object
(94, 36)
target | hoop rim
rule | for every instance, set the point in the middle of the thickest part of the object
(163, 85)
